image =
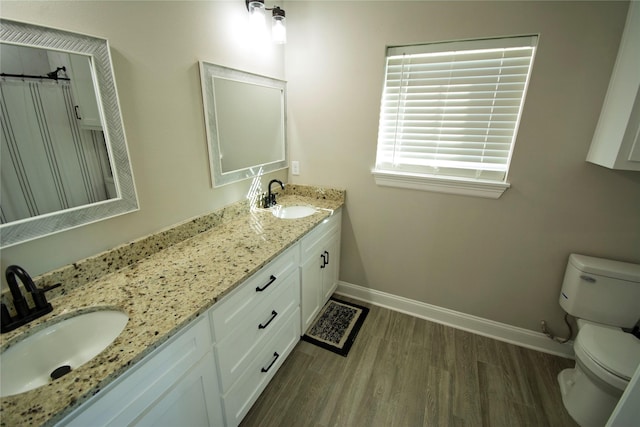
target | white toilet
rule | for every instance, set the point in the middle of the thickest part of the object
(604, 296)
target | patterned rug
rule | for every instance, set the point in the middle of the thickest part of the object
(337, 326)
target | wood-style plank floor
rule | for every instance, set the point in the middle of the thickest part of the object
(405, 371)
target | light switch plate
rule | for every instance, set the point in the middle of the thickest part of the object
(295, 167)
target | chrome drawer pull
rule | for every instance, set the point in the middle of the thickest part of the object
(275, 357)
(271, 280)
(273, 316)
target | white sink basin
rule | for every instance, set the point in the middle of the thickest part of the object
(61, 347)
(292, 212)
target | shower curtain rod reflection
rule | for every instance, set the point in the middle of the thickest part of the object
(50, 76)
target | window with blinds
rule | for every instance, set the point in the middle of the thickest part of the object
(452, 109)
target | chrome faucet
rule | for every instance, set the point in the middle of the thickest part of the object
(24, 314)
(270, 198)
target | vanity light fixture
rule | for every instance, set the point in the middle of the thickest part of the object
(257, 10)
(278, 26)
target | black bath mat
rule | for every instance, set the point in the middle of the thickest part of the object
(337, 326)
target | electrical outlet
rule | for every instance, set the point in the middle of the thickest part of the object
(295, 167)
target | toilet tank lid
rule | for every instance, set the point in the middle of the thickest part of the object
(606, 267)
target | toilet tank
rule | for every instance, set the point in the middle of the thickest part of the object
(602, 290)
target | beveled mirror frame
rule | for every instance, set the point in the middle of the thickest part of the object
(31, 35)
(207, 72)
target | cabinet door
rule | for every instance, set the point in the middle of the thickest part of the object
(192, 401)
(87, 111)
(615, 141)
(134, 393)
(331, 268)
(318, 235)
(311, 292)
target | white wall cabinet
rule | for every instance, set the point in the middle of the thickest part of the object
(83, 89)
(177, 381)
(84, 93)
(615, 143)
(320, 265)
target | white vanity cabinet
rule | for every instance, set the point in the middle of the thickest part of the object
(616, 142)
(255, 329)
(176, 384)
(320, 265)
(212, 372)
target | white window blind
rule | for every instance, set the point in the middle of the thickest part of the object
(453, 108)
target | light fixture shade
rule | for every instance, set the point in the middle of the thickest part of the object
(278, 26)
(256, 14)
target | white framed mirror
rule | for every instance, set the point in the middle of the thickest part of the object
(245, 118)
(65, 161)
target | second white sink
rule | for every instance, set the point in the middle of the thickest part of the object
(58, 349)
(292, 212)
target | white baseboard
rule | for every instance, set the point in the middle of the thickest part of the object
(477, 325)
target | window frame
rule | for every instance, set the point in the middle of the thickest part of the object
(411, 177)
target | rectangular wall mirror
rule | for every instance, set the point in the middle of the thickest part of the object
(64, 158)
(245, 118)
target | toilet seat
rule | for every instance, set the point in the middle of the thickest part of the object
(611, 354)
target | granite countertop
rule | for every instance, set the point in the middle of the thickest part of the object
(161, 294)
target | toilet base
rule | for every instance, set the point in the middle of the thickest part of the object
(588, 404)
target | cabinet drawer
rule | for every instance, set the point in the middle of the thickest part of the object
(130, 395)
(328, 226)
(237, 305)
(246, 390)
(236, 352)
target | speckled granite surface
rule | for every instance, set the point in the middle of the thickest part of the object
(162, 283)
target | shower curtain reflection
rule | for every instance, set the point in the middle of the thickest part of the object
(47, 162)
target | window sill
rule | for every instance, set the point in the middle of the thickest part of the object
(441, 184)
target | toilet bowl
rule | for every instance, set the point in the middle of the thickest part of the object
(604, 296)
(606, 359)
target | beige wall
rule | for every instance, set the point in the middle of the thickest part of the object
(155, 48)
(499, 259)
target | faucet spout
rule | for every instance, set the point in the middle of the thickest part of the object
(270, 199)
(24, 313)
(19, 302)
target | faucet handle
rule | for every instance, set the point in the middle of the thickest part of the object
(39, 299)
(48, 288)
(5, 316)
